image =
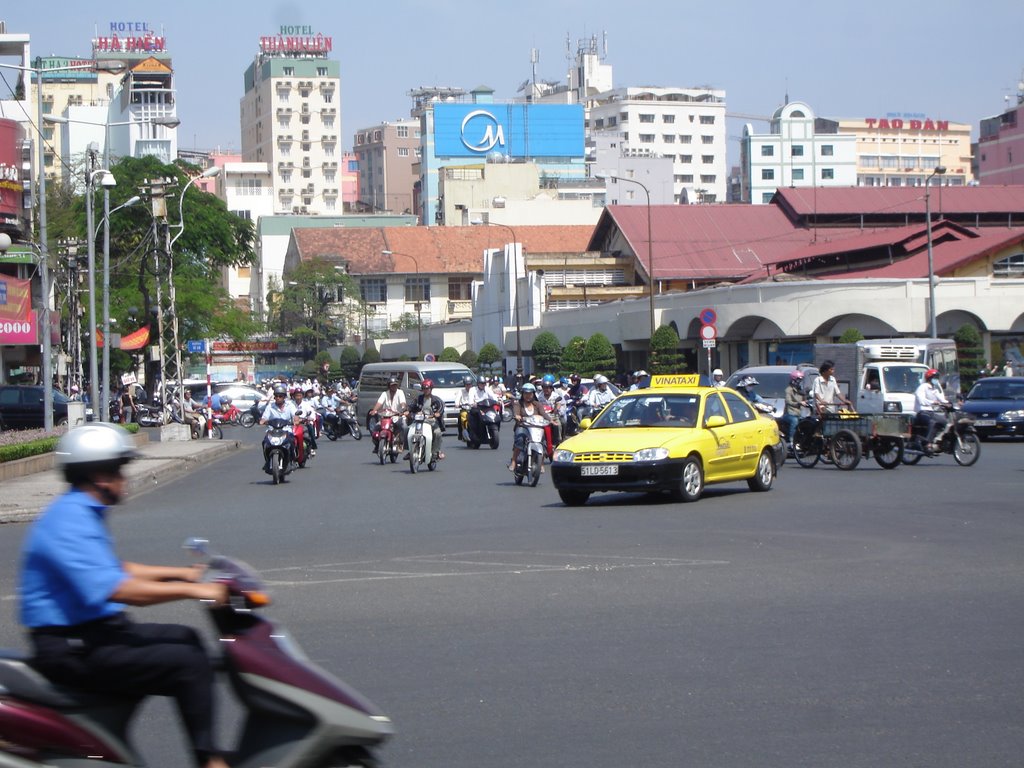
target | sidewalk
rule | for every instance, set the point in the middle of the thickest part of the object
(23, 498)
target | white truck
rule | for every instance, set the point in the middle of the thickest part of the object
(880, 375)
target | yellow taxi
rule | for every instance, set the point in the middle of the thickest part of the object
(674, 436)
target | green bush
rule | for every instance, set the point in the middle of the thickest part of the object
(469, 359)
(598, 356)
(850, 335)
(448, 355)
(489, 355)
(665, 356)
(348, 362)
(547, 352)
(31, 448)
(572, 355)
(970, 355)
(371, 355)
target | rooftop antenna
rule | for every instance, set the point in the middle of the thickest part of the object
(604, 44)
(534, 58)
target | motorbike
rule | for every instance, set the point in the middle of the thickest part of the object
(340, 422)
(296, 713)
(150, 415)
(279, 449)
(387, 445)
(531, 458)
(228, 415)
(421, 443)
(484, 424)
(252, 414)
(958, 438)
(575, 412)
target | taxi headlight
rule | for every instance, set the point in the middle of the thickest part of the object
(563, 455)
(650, 454)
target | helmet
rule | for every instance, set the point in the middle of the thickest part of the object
(549, 378)
(563, 381)
(528, 387)
(392, 380)
(930, 374)
(467, 380)
(574, 377)
(796, 376)
(641, 373)
(717, 372)
(280, 391)
(428, 384)
(600, 379)
(96, 443)
(747, 381)
(482, 381)
(225, 399)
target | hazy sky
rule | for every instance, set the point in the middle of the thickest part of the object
(947, 59)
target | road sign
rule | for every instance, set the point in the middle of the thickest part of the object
(708, 332)
(195, 347)
(429, 358)
(708, 316)
(710, 343)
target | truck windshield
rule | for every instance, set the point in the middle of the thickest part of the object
(903, 379)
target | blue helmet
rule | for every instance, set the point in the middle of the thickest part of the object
(549, 378)
(564, 381)
(528, 387)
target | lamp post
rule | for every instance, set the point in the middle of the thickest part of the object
(932, 328)
(418, 304)
(650, 242)
(515, 286)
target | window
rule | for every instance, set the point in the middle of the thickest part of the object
(686, 158)
(707, 178)
(686, 178)
(646, 138)
(668, 118)
(738, 407)
(767, 174)
(328, 98)
(766, 197)
(612, 122)
(373, 289)
(713, 407)
(460, 288)
(828, 173)
(646, 118)
(798, 174)
(767, 150)
(669, 138)
(329, 176)
(307, 173)
(403, 151)
(1011, 266)
(707, 139)
(599, 123)
(707, 159)
(707, 119)
(417, 289)
(289, 71)
(321, 71)
(685, 139)
(797, 150)
(402, 131)
(827, 150)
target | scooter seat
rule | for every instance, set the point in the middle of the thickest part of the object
(19, 679)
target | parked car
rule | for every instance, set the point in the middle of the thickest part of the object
(772, 381)
(21, 407)
(997, 406)
(242, 395)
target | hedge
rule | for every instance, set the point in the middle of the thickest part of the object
(36, 446)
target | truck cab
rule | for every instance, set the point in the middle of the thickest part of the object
(888, 387)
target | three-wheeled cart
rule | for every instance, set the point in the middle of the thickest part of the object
(847, 437)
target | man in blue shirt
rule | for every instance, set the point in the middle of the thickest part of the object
(74, 589)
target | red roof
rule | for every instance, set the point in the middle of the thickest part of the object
(857, 201)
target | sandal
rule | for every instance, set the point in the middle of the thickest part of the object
(511, 466)
(440, 456)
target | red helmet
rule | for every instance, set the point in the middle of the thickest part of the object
(428, 384)
(930, 374)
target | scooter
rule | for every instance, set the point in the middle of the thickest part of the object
(387, 446)
(295, 712)
(958, 437)
(421, 444)
(252, 414)
(484, 425)
(278, 449)
(531, 458)
(340, 422)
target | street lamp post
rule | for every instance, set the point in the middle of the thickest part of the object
(515, 288)
(932, 328)
(418, 304)
(650, 242)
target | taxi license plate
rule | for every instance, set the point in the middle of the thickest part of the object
(985, 422)
(599, 470)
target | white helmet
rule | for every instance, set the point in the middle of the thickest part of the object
(600, 379)
(96, 443)
(717, 372)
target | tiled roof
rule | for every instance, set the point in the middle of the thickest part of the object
(855, 201)
(434, 250)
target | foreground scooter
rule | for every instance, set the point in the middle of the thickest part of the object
(296, 713)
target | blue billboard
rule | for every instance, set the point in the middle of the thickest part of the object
(514, 130)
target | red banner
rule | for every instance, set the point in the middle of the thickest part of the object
(17, 320)
(135, 340)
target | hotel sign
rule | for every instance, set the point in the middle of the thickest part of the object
(296, 39)
(912, 124)
(61, 72)
(513, 130)
(130, 37)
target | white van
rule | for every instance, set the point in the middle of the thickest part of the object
(447, 377)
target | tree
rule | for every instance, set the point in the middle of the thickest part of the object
(547, 352)
(850, 335)
(316, 306)
(348, 362)
(371, 355)
(572, 355)
(469, 359)
(665, 357)
(970, 355)
(489, 355)
(598, 356)
(449, 355)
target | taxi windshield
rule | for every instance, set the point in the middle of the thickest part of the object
(656, 411)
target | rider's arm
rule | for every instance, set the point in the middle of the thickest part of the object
(151, 585)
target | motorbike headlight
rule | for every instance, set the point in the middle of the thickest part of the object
(563, 455)
(650, 454)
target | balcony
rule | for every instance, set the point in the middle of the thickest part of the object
(459, 309)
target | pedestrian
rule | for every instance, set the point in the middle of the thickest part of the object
(127, 405)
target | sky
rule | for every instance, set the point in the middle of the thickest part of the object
(946, 59)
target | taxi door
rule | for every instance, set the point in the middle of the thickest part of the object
(726, 453)
(748, 429)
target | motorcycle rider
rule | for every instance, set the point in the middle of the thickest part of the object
(307, 416)
(482, 391)
(74, 587)
(795, 400)
(553, 399)
(745, 387)
(527, 405)
(717, 378)
(192, 414)
(928, 403)
(280, 407)
(433, 408)
(825, 393)
(463, 401)
(393, 400)
(600, 395)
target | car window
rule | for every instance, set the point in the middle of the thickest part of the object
(10, 396)
(33, 396)
(738, 407)
(714, 407)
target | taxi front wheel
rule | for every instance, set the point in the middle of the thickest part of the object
(765, 474)
(691, 481)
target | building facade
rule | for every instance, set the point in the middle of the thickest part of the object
(800, 150)
(291, 120)
(387, 154)
(686, 124)
(1000, 154)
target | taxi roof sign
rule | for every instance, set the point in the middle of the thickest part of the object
(675, 380)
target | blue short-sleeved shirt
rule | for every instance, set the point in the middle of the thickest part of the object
(68, 567)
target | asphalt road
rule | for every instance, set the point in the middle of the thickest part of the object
(864, 618)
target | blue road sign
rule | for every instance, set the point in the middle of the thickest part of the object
(195, 347)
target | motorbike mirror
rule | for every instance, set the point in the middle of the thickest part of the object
(585, 424)
(197, 545)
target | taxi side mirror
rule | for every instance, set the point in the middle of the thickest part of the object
(585, 424)
(714, 422)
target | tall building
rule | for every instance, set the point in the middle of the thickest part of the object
(800, 150)
(686, 124)
(290, 118)
(1001, 145)
(386, 154)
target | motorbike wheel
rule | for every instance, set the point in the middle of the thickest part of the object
(506, 414)
(493, 442)
(806, 447)
(888, 452)
(535, 466)
(910, 459)
(520, 471)
(218, 432)
(382, 450)
(277, 467)
(414, 454)
(967, 451)
(355, 431)
(247, 420)
(844, 448)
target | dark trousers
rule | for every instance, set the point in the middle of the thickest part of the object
(118, 657)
